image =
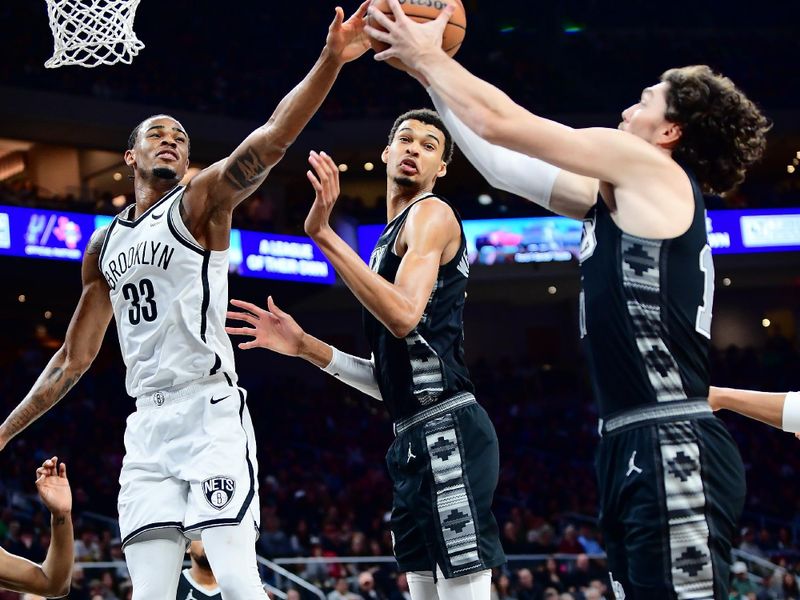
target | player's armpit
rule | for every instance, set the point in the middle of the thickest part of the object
(573, 195)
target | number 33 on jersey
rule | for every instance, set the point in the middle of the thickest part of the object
(169, 297)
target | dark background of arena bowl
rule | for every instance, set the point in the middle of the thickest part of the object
(221, 70)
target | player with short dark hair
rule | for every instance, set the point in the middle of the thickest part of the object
(671, 479)
(444, 461)
(198, 581)
(161, 270)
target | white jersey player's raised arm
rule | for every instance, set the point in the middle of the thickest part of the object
(161, 269)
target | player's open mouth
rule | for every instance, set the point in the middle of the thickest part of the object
(167, 154)
(408, 166)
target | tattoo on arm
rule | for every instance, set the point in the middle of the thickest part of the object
(246, 170)
(96, 242)
(59, 520)
(41, 398)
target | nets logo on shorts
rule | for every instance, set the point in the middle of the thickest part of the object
(219, 491)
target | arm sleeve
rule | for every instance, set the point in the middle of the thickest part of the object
(354, 371)
(504, 169)
(791, 412)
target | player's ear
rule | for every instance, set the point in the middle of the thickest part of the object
(130, 158)
(671, 134)
(442, 170)
(385, 155)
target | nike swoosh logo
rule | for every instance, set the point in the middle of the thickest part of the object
(216, 400)
(156, 217)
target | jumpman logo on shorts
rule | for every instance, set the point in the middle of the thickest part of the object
(410, 454)
(632, 467)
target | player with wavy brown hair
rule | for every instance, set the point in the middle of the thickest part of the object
(671, 481)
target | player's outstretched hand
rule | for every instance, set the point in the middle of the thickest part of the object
(53, 486)
(272, 329)
(347, 40)
(325, 181)
(411, 42)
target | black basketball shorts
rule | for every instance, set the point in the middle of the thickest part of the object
(444, 464)
(671, 493)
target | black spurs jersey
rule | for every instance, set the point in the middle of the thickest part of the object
(428, 364)
(189, 589)
(645, 311)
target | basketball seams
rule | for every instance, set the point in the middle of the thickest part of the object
(426, 18)
(453, 38)
(451, 50)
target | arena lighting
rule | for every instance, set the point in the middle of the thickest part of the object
(798, 154)
(368, 166)
(21, 298)
(790, 168)
(343, 167)
(485, 200)
(796, 161)
(765, 323)
(119, 201)
(117, 176)
(552, 290)
(47, 314)
(572, 28)
(726, 281)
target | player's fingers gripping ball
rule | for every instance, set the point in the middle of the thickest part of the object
(423, 11)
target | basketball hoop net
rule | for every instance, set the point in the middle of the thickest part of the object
(89, 33)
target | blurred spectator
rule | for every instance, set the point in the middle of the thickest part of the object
(341, 591)
(588, 541)
(501, 588)
(748, 543)
(527, 588)
(366, 587)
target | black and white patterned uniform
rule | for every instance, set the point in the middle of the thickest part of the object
(444, 462)
(428, 364)
(671, 479)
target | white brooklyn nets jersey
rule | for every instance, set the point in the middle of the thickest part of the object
(169, 296)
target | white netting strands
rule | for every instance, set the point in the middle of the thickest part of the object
(89, 33)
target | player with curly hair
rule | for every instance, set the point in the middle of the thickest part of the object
(671, 481)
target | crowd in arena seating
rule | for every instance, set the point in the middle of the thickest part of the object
(325, 491)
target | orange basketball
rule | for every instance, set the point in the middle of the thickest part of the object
(422, 11)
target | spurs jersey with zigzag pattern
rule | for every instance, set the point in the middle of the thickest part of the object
(645, 311)
(428, 364)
